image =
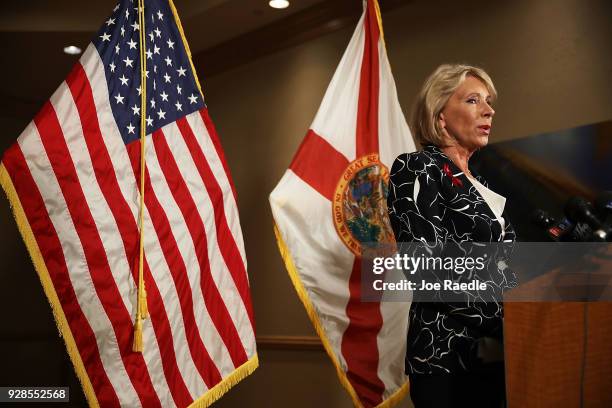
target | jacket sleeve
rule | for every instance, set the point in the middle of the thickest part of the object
(415, 215)
(413, 200)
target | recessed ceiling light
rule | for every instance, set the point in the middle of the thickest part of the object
(72, 50)
(279, 4)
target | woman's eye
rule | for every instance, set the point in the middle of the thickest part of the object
(472, 100)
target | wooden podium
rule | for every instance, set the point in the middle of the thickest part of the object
(558, 354)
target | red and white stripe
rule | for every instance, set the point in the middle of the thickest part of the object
(77, 183)
(359, 114)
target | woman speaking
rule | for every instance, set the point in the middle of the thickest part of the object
(454, 354)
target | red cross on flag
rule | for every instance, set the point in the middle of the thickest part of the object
(331, 200)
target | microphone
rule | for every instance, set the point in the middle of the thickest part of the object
(581, 233)
(542, 219)
(562, 230)
(603, 203)
(577, 209)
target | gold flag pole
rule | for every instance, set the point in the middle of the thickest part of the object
(141, 308)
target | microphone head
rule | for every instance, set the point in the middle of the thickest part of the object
(581, 233)
(578, 209)
(542, 219)
(603, 203)
(561, 230)
(575, 207)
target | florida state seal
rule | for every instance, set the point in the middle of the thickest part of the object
(360, 204)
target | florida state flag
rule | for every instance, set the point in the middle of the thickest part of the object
(331, 200)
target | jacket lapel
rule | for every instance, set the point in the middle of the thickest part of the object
(460, 190)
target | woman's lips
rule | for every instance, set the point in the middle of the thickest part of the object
(485, 129)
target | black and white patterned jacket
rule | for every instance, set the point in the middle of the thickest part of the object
(430, 200)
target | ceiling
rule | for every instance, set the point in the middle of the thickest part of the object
(34, 33)
(221, 34)
(206, 22)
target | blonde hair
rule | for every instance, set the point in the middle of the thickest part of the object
(436, 91)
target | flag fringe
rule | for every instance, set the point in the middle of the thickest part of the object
(226, 384)
(314, 318)
(396, 397)
(41, 268)
(312, 314)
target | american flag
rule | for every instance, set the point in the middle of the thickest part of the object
(73, 180)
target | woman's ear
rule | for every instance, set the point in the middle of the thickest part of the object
(442, 121)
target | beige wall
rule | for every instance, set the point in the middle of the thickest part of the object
(551, 63)
(550, 60)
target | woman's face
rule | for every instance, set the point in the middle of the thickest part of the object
(468, 115)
